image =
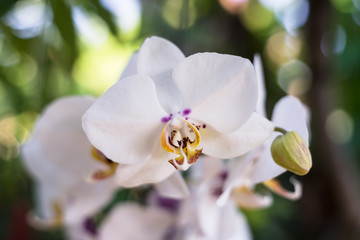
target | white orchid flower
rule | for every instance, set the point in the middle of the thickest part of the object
(258, 166)
(174, 109)
(60, 158)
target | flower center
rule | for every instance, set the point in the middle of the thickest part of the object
(181, 137)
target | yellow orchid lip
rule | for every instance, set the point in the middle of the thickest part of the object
(103, 174)
(181, 137)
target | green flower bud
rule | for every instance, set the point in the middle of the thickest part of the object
(291, 152)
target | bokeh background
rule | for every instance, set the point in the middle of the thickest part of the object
(310, 49)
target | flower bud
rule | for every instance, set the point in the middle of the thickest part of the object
(291, 152)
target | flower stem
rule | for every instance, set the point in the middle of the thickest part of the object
(279, 129)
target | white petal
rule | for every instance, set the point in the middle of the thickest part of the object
(260, 105)
(131, 67)
(46, 196)
(223, 222)
(221, 145)
(205, 169)
(125, 123)
(264, 166)
(173, 187)
(62, 138)
(131, 221)
(59, 151)
(238, 174)
(157, 58)
(209, 215)
(76, 202)
(79, 232)
(85, 199)
(41, 168)
(234, 225)
(220, 90)
(288, 114)
(155, 169)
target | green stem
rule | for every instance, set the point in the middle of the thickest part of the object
(279, 129)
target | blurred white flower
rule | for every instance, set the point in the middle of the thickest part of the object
(60, 158)
(173, 110)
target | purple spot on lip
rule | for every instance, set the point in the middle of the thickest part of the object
(186, 111)
(186, 118)
(165, 119)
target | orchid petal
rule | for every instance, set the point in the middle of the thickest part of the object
(122, 122)
(157, 58)
(173, 187)
(221, 145)
(288, 114)
(209, 215)
(58, 155)
(131, 221)
(220, 89)
(234, 225)
(158, 55)
(59, 128)
(50, 213)
(59, 151)
(131, 67)
(220, 222)
(81, 231)
(276, 187)
(75, 203)
(211, 167)
(238, 174)
(40, 168)
(260, 105)
(85, 199)
(155, 169)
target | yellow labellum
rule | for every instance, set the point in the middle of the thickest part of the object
(181, 137)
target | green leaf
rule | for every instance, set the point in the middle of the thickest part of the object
(63, 20)
(105, 15)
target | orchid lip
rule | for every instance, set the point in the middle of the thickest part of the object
(182, 138)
